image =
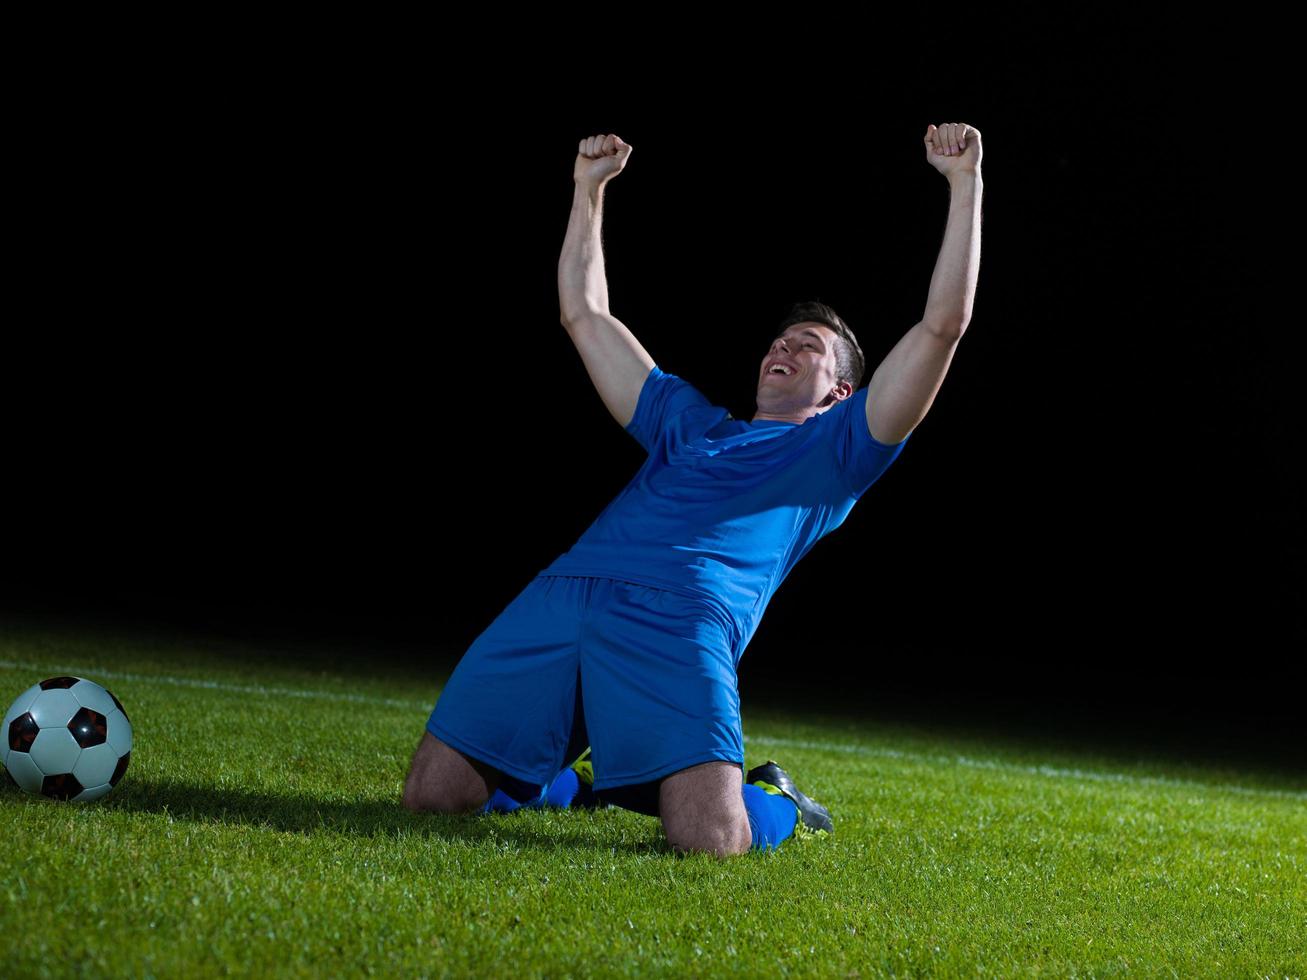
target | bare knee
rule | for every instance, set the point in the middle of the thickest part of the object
(722, 842)
(445, 780)
(702, 810)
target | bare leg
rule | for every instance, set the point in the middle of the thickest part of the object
(702, 809)
(444, 779)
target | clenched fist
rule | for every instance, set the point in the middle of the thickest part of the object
(599, 159)
(953, 148)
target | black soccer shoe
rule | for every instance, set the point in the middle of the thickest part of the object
(814, 819)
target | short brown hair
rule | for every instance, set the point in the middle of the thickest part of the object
(849, 362)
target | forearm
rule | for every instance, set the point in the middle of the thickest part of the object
(582, 285)
(953, 285)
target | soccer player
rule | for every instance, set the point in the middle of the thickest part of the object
(627, 645)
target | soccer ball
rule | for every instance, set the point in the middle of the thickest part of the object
(66, 738)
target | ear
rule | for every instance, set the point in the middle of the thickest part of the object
(838, 394)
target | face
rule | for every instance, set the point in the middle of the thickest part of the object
(808, 351)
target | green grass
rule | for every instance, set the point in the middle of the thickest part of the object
(259, 831)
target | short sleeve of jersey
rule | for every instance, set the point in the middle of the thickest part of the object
(663, 397)
(861, 458)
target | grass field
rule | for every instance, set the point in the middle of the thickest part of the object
(259, 831)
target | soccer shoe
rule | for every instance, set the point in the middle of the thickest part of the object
(585, 779)
(584, 767)
(814, 819)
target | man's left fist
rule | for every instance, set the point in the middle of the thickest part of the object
(953, 148)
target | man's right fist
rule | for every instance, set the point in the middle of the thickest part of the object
(599, 158)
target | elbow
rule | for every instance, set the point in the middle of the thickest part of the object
(571, 304)
(568, 315)
(949, 327)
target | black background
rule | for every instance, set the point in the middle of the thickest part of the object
(283, 357)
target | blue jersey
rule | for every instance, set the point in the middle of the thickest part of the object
(722, 509)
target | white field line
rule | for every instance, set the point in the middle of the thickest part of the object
(1052, 772)
(1012, 767)
(50, 670)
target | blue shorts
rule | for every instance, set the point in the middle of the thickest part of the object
(644, 676)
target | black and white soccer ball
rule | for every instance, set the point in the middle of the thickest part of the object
(67, 738)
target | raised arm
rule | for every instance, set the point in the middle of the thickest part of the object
(904, 385)
(616, 362)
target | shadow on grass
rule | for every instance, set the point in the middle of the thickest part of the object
(307, 814)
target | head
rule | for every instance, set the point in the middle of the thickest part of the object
(826, 360)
